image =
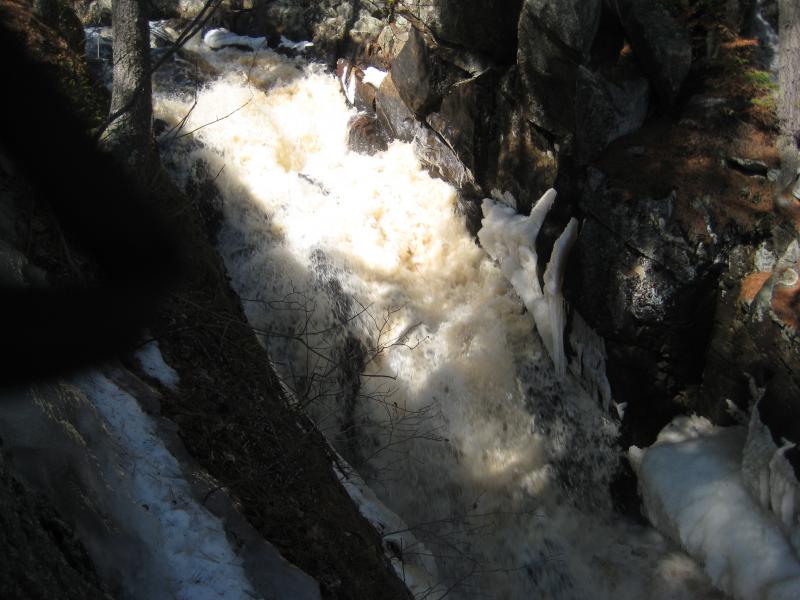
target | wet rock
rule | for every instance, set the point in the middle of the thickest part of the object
(464, 116)
(364, 135)
(606, 111)
(442, 162)
(359, 93)
(398, 122)
(412, 73)
(520, 159)
(659, 42)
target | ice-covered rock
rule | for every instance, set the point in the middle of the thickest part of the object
(693, 491)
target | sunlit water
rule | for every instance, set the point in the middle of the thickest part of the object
(405, 342)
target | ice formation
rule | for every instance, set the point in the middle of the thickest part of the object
(296, 46)
(770, 477)
(222, 38)
(510, 239)
(693, 490)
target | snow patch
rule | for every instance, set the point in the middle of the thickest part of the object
(692, 489)
(189, 543)
(152, 362)
(374, 77)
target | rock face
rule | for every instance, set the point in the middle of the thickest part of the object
(659, 42)
(554, 40)
(649, 293)
(756, 339)
(489, 27)
(606, 111)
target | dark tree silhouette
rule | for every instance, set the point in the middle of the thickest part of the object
(128, 135)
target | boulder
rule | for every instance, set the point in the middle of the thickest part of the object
(364, 135)
(659, 42)
(574, 23)
(520, 158)
(412, 73)
(398, 122)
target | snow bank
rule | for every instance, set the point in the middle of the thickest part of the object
(195, 557)
(692, 489)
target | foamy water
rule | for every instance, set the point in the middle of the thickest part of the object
(408, 345)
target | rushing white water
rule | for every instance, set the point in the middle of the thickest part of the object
(407, 343)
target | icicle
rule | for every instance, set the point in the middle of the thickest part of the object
(553, 282)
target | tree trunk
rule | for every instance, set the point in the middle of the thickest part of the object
(129, 135)
(789, 104)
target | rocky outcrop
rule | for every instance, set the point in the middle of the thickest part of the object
(649, 292)
(756, 339)
(486, 27)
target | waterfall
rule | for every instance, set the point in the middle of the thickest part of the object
(406, 342)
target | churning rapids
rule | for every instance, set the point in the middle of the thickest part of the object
(407, 343)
